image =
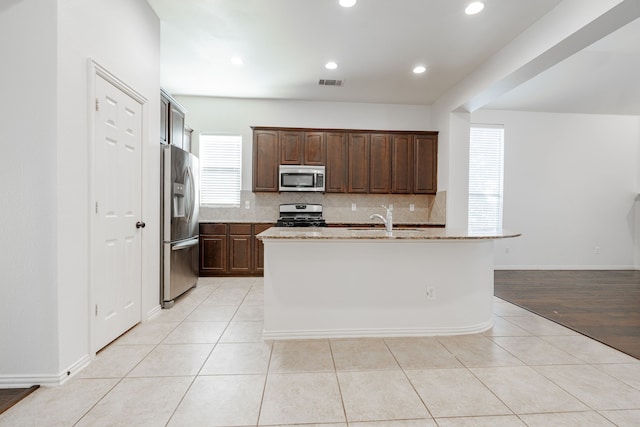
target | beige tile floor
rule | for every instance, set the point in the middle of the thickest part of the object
(203, 363)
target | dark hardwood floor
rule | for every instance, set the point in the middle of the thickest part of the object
(604, 305)
(11, 396)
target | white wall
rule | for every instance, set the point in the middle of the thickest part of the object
(236, 116)
(124, 37)
(45, 132)
(569, 186)
(28, 217)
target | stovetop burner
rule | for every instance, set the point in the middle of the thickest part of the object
(284, 222)
(301, 215)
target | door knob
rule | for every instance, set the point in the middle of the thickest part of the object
(140, 224)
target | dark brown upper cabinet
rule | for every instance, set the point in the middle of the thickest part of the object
(337, 163)
(380, 163)
(266, 159)
(164, 119)
(425, 164)
(314, 149)
(290, 147)
(402, 164)
(357, 161)
(302, 148)
(172, 122)
(358, 152)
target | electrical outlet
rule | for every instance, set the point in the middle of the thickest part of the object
(391, 206)
(431, 293)
(412, 207)
(353, 206)
(247, 204)
(507, 250)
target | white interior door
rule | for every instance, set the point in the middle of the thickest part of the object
(117, 254)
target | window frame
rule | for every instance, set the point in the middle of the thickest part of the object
(486, 177)
(230, 173)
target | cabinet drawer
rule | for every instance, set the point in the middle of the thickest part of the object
(243, 229)
(218, 229)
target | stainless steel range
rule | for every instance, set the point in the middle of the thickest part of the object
(301, 215)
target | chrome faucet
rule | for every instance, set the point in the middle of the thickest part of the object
(388, 221)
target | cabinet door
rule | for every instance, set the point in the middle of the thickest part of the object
(164, 120)
(380, 163)
(213, 255)
(358, 147)
(265, 160)
(314, 149)
(239, 254)
(258, 248)
(176, 118)
(425, 164)
(291, 148)
(240, 248)
(402, 164)
(337, 164)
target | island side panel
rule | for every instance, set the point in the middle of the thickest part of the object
(357, 288)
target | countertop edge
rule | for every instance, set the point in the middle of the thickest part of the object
(320, 233)
(335, 224)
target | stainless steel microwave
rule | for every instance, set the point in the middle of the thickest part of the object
(301, 178)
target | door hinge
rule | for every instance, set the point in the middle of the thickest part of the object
(96, 207)
(96, 310)
(97, 104)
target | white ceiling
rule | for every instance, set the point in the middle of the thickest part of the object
(285, 44)
(603, 78)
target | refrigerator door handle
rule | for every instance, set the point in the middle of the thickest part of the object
(184, 245)
(189, 194)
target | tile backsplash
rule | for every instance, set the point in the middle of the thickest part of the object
(264, 207)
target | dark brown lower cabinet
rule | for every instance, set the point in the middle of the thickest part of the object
(213, 249)
(231, 249)
(240, 250)
(258, 248)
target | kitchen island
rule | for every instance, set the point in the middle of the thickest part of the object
(359, 282)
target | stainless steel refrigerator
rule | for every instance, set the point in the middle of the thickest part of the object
(179, 223)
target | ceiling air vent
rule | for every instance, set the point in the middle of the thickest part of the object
(329, 82)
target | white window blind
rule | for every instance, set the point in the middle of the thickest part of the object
(220, 170)
(486, 153)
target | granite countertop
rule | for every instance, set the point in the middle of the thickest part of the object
(332, 223)
(372, 224)
(234, 221)
(355, 233)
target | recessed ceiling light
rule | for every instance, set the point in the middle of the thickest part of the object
(347, 3)
(473, 8)
(236, 60)
(419, 69)
(330, 65)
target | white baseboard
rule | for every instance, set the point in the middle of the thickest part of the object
(376, 333)
(153, 312)
(565, 267)
(44, 380)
